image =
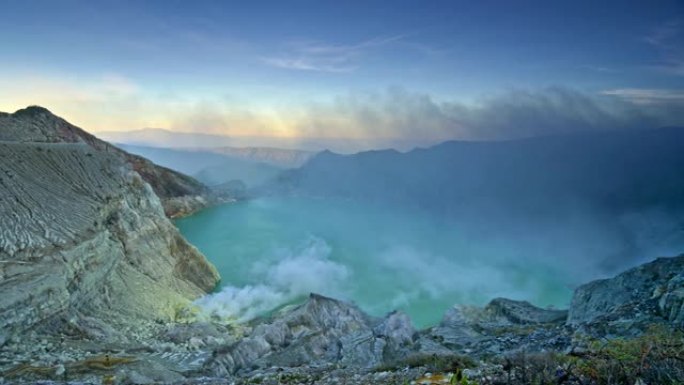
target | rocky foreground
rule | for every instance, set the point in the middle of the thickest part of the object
(327, 341)
(97, 287)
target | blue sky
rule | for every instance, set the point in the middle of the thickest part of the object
(314, 67)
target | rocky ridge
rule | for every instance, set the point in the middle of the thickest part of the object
(279, 157)
(85, 245)
(180, 194)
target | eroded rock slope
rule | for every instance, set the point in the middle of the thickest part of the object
(179, 193)
(82, 234)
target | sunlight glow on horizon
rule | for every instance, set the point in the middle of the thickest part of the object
(426, 73)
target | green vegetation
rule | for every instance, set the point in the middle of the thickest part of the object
(656, 357)
(432, 362)
(459, 378)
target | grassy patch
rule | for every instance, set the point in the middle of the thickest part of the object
(657, 357)
(432, 362)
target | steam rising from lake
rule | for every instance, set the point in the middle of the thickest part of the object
(294, 273)
(273, 251)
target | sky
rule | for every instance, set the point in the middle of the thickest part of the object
(409, 70)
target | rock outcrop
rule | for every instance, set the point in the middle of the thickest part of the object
(320, 331)
(502, 326)
(180, 194)
(628, 303)
(83, 236)
(324, 331)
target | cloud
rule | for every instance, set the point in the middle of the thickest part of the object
(668, 40)
(557, 110)
(393, 117)
(100, 102)
(294, 274)
(310, 64)
(648, 96)
(400, 114)
(325, 57)
(601, 69)
(663, 35)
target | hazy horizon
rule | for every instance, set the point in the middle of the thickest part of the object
(313, 72)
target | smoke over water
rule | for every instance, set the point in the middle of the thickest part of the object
(297, 272)
(408, 278)
(456, 223)
(274, 251)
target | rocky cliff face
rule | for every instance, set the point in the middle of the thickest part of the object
(82, 234)
(628, 303)
(180, 194)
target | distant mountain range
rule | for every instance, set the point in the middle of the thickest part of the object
(618, 191)
(157, 137)
(278, 157)
(617, 169)
(215, 166)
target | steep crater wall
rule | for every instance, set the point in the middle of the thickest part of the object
(180, 194)
(82, 233)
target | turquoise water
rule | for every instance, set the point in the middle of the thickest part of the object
(276, 250)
